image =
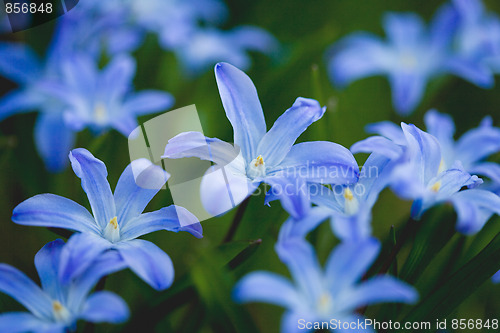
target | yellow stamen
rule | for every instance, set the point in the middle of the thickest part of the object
(114, 222)
(348, 194)
(436, 186)
(56, 306)
(259, 161)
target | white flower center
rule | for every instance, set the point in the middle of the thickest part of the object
(112, 230)
(60, 312)
(257, 168)
(325, 303)
(351, 204)
(100, 114)
(408, 60)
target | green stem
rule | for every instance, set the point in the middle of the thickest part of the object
(236, 221)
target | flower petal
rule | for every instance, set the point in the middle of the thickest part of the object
(380, 289)
(54, 139)
(349, 261)
(403, 29)
(292, 193)
(81, 250)
(379, 145)
(47, 265)
(149, 262)
(18, 286)
(320, 161)
(293, 228)
(407, 91)
(19, 101)
(50, 210)
(93, 174)
(221, 189)
(18, 62)
(276, 143)
(478, 144)
(300, 258)
(147, 101)
(267, 288)
(107, 263)
(138, 184)
(105, 307)
(195, 144)
(171, 218)
(116, 78)
(243, 109)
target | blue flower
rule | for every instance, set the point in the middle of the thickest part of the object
(258, 156)
(71, 94)
(422, 175)
(477, 42)
(410, 57)
(116, 219)
(57, 306)
(318, 294)
(348, 207)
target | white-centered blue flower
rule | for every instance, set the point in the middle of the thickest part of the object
(57, 305)
(116, 221)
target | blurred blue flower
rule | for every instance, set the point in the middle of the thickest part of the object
(71, 93)
(318, 294)
(348, 207)
(258, 156)
(477, 42)
(57, 306)
(410, 57)
(116, 219)
(422, 175)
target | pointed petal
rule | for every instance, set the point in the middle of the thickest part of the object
(321, 161)
(18, 62)
(54, 139)
(18, 101)
(353, 228)
(374, 177)
(349, 261)
(443, 128)
(300, 258)
(221, 189)
(195, 144)
(47, 265)
(116, 78)
(105, 307)
(50, 210)
(138, 184)
(477, 144)
(93, 174)
(473, 71)
(149, 262)
(389, 130)
(171, 218)
(20, 322)
(403, 29)
(488, 169)
(474, 208)
(407, 91)
(81, 250)
(276, 143)
(380, 289)
(148, 101)
(242, 106)
(267, 288)
(18, 286)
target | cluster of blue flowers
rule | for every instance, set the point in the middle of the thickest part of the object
(314, 181)
(72, 93)
(463, 39)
